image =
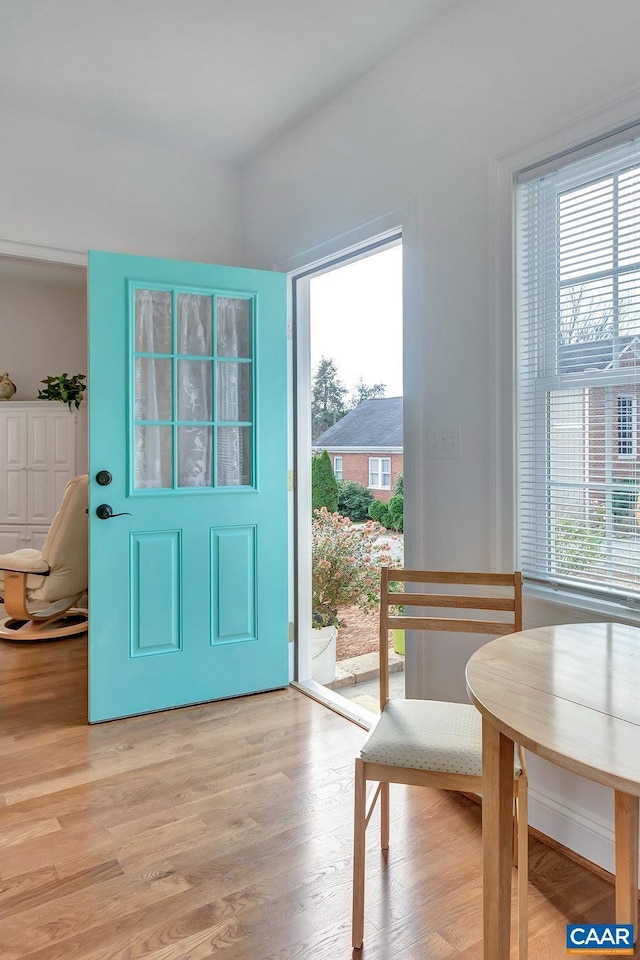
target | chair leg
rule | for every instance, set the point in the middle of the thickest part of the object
(359, 828)
(384, 816)
(522, 804)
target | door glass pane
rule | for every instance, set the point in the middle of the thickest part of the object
(234, 456)
(153, 321)
(194, 324)
(153, 389)
(234, 328)
(194, 390)
(194, 456)
(153, 457)
(234, 391)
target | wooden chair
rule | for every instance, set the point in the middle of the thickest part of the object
(41, 587)
(433, 743)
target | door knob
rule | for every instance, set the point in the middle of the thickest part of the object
(105, 512)
(103, 478)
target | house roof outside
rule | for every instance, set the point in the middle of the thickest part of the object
(374, 424)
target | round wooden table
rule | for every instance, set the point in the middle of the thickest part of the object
(570, 694)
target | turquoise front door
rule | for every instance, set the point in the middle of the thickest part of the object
(188, 483)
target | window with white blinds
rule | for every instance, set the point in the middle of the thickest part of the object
(578, 297)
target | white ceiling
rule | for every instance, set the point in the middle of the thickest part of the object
(220, 76)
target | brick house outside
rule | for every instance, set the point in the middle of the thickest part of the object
(594, 438)
(366, 445)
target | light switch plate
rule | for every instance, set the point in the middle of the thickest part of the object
(445, 442)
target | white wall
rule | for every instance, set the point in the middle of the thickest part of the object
(427, 130)
(80, 187)
(76, 187)
(43, 331)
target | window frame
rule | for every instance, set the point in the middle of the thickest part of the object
(338, 471)
(632, 426)
(379, 473)
(539, 374)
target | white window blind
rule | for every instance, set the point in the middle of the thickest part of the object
(578, 303)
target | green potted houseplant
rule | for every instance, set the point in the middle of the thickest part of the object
(346, 561)
(67, 389)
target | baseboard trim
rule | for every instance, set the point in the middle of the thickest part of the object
(574, 829)
(579, 823)
(572, 855)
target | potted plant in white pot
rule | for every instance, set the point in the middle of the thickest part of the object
(346, 560)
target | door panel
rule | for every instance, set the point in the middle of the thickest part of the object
(39, 437)
(14, 440)
(156, 559)
(12, 538)
(14, 507)
(39, 495)
(13, 453)
(234, 594)
(188, 587)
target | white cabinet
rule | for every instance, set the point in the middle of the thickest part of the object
(37, 459)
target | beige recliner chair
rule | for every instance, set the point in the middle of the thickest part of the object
(51, 580)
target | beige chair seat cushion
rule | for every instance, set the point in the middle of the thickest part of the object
(27, 561)
(429, 735)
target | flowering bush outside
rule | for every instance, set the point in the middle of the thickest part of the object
(346, 561)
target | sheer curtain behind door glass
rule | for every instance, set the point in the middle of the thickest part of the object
(153, 400)
(233, 392)
(194, 390)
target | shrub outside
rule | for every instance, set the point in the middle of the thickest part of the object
(346, 563)
(354, 500)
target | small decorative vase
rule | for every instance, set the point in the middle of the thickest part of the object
(7, 387)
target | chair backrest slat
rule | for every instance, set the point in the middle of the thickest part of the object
(451, 625)
(439, 576)
(450, 600)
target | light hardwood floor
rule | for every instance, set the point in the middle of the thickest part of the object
(225, 829)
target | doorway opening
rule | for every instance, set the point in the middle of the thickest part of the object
(43, 320)
(349, 494)
(43, 445)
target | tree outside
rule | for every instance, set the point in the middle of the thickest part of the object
(364, 391)
(324, 486)
(328, 397)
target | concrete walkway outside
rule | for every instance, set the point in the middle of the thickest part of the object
(357, 679)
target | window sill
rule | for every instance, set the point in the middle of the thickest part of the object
(605, 609)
